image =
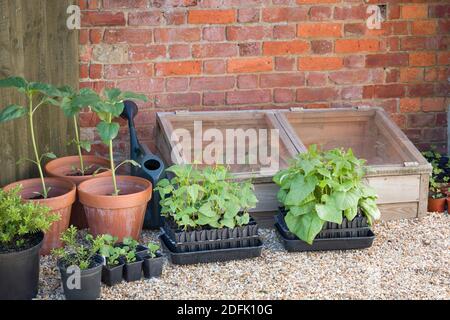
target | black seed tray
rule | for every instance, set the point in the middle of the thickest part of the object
(209, 256)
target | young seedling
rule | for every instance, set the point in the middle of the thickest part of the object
(153, 249)
(37, 95)
(108, 108)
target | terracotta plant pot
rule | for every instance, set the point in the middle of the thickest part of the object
(436, 205)
(120, 216)
(61, 198)
(62, 168)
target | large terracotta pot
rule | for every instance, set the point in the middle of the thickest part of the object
(120, 216)
(61, 198)
(63, 167)
(436, 205)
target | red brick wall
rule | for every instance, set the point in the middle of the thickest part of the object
(233, 54)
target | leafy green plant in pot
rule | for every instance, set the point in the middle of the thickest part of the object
(22, 227)
(80, 265)
(132, 270)
(112, 272)
(206, 202)
(57, 194)
(324, 187)
(437, 196)
(81, 167)
(153, 261)
(114, 205)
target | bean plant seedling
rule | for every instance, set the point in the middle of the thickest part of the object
(324, 186)
(153, 249)
(37, 94)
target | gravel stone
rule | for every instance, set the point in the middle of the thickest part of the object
(408, 260)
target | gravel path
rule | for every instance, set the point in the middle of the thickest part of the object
(410, 259)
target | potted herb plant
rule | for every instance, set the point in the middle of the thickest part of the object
(81, 167)
(114, 205)
(22, 227)
(438, 194)
(205, 210)
(57, 194)
(153, 261)
(321, 191)
(112, 272)
(132, 271)
(80, 265)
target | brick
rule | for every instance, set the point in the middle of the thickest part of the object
(425, 27)
(283, 95)
(116, 4)
(357, 12)
(179, 51)
(83, 37)
(355, 61)
(102, 18)
(443, 58)
(131, 36)
(392, 75)
(318, 30)
(399, 28)
(211, 16)
(175, 17)
(441, 119)
(247, 15)
(285, 47)
(214, 98)
(177, 68)
(173, 3)
(144, 18)
(245, 33)
(178, 99)
(250, 65)
(177, 84)
(177, 35)
(214, 67)
(212, 83)
(439, 11)
(411, 74)
(434, 105)
(320, 13)
(434, 134)
(351, 93)
(105, 53)
(247, 81)
(387, 60)
(284, 63)
(420, 120)
(414, 11)
(284, 32)
(96, 36)
(384, 91)
(393, 12)
(147, 85)
(84, 71)
(316, 1)
(444, 26)
(356, 45)
(118, 71)
(408, 105)
(149, 52)
(349, 77)
(282, 80)
(214, 33)
(321, 46)
(422, 59)
(320, 63)
(352, 29)
(316, 79)
(214, 50)
(249, 49)
(421, 90)
(431, 74)
(284, 14)
(248, 97)
(311, 94)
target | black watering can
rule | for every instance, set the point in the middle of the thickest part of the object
(152, 167)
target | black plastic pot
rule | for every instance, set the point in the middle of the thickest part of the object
(153, 266)
(210, 239)
(209, 256)
(133, 271)
(19, 273)
(90, 281)
(112, 276)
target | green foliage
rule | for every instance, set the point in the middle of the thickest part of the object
(324, 186)
(113, 253)
(437, 186)
(19, 218)
(153, 249)
(77, 253)
(206, 197)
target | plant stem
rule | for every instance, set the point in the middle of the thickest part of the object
(77, 139)
(111, 159)
(36, 153)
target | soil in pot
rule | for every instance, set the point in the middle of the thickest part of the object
(64, 168)
(19, 269)
(436, 205)
(120, 216)
(133, 271)
(153, 266)
(89, 285)
(112, 275)
(61, 198)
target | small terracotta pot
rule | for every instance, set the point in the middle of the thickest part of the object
(436, 205)
(120, 216)
(62, 167)
(61, 198)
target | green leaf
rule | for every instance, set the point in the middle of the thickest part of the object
(329, 212)
(112, 94)
(16, 82)
(370, 209)
(117, 109)
(12, 112)
(44, 88)
(86, 145)
(133, 96)
(228, 222)
(345, 200)
(193, 192)
(108, 131)
(351, 213)
(300, 189)
(306, 227)
(207, 210)
(49, 155)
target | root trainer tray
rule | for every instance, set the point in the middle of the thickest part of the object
(209, 256)
(343, 237)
